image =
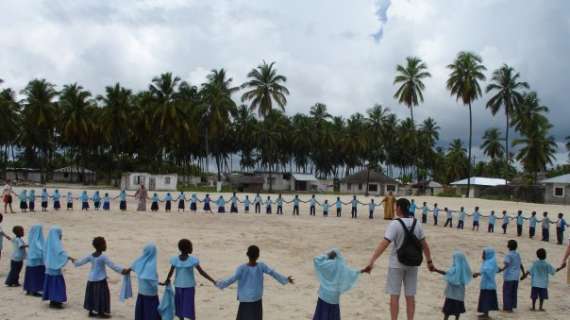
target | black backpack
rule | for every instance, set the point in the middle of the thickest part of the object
(411, 252)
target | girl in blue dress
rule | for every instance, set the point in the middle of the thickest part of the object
(69, 199)
(106, 202)
(181, 198)
(34, 274)
(167, 202)
(32, 200)
(56, 258)
(146, 307)
(123, 200)
(96, 200)
(154, 202)
(44, 198)
(56, 200)
(84, 198)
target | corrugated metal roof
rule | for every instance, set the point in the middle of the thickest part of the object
(73, 169)
(564, 179)
(481, 181)
(304, 177)
(375, 176)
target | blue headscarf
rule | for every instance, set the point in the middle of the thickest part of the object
(145, 265)
(460, 272)
(36, 243)
(489, 269)
(335, 276)
(166, 307)
(54, 255)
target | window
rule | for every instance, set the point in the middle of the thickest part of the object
(373, 187)
(349, 186)
(390, 188)
(139, 179)
(360, 187)
(166, 180)
(559, 192)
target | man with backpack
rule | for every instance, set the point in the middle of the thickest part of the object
(409, 244)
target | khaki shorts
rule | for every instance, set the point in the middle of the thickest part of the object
(398, 276)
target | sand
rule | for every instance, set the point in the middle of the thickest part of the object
(287, 244)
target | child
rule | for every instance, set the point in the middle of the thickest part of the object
(371, 207)
(18, 256)
(488, 294)
(296, 205)
(425, 211)
(476, 219)
(147, 299)
(268, 205)
(32, 200)
(56, 200)
(154, 202)
(448, 218)
(221, 203)
(312, 205)
(123, 200)
(520, 223)
(55, 259)
(545, 227)
(326, 207)
(257, 203)
(44, 198)
(560, 228)
(2, 235)
(96, 200)
(512, 273)
(335, 278)
(492, 221)
(181, 198)
(461, 218)
(539, 273)
(246, 204)
(413, 209)
(69, 199)
(354, 207)
(106, 202)
(167, 202)
(206, 201)
(279, 205)
(35, 271)
(84, 198)
(250, 285)
(338, 207)
(435, 214)
(234, 201)
(184, 281)
(506, 221)
(97, 297)
(23, 197)
(193, 203)
(532, 225)
(457, 277)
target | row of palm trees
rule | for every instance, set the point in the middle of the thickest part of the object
(174, 125)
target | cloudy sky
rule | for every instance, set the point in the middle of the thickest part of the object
(341, 53)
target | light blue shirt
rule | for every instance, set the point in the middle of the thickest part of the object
(32, 196)
(246, 202)
(279, 202)
(69, 197)
(546, 223)
(180, 197)
(561, 224)
(413, 208)
(257, 200)
(221, 202)
(168, 197)
(53, 272)
(455, 292)
(154, 198)
(98, 267)
(194, 199)
(354, 203)
(250, 281)
(269, 203)
(96, 197)
(312, 202)
(296, 202)
(448, 214)
(520, 220)
(435, 212)
(106, 199)
(532, 222)
(184, 271)
(234, 200)
(148, 287)
(338, 204)
(540, 272)
(476, 216)
(19, 253)
(425, 210)
(45, 196)
(84, 197)
(56, 196)
(326, 207)
(506, 219)
(123, 196)
(23, 196)
(513, 266)
(492, 219)
(462, 215)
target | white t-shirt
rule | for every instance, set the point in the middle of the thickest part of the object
(7, 190)
(395, 233)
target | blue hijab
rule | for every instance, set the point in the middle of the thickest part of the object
(55, 256)
(145, 265)
(36, 243)
(335, 275)
(460, 272)
(489, 269)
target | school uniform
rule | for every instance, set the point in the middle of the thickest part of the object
(540, 272)
(506, 221)
(56, 258)
(532, 226)
(56, 200)
(268, 206)
(154, 203)
(44, 200)
(312, 207)
(338, 208)
(16, 262)
(512, 274)
(193, 203)
(488, 300)
(181, 204)
(371, 207)
(207, 204)
(96, 200)
(257, 204)
(246, 204)
(146, 307)
(354, 208)
(520, 224)
(32, 200)
(476, 219)
(279, 206)
(546, 229)
(448, 219)
(84, 198)
(326, 207)
(296, 206)
(123, 201)
(234, 208)
(461, 220)
(425, 211)
(492, 222)
(185, 286)
(250, 289)
(23, 203)
(167, 202)
(106, 203)
(69, 201)
(435, 216)
(34, 275)
(456, 278)
(97, 295)
(560, 228)
(221, 203)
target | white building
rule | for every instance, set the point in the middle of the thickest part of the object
(378, 183)
(557, 189)
(477, 185)
(304, 182)
(153, 182)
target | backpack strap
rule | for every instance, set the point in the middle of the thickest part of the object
(408, 231)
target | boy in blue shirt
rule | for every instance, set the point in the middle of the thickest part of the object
(506, 221)
(532, 225)
(279, 203)
(425, 211)
(461, 218)
(338, 207)
(18, 256)
(250, 285)
(234, 201)
(413, 208)
(492, 221)
(560, 228)
(312, 206)
(435, 214)
(167, 202)
(354, 210)
(476, 219)
(545, 227)
(539, 272)
(69, 199)
(520, 223)
(513, 269)
(448, 218)
(296, 205)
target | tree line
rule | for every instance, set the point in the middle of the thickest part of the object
(177, 126)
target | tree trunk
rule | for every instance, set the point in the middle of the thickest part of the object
(270, 178)
(469, 161)
(207, 150)
(507, 155)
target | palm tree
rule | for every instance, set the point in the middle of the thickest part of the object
(10, 121)
(538, 150)
(568, 145)
(456, 160)
(530, 113)
(463, 83)
(506, 85)
(492, 146)
(410, 77)
(265, 87)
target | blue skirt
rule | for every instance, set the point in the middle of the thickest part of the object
(23, 205)
(207, 207)
(96, 204)
(250, 310)
(56, 205)
(34, 278)
(488, 301)
(326, 311)
(70, 205)
(84, 205)
(184, 302)
(181, 204)
(453, 307)
(154, 206)
(168, 206)
(106, 206)
(221, 210)
(146, 308)
(54, 289)
(32, 205)
(193, 206)
(123, 205)
(97, 297)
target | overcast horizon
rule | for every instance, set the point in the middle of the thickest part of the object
(340, 53)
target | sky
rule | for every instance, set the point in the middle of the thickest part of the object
(341, 53)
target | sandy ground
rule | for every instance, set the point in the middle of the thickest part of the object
(288, 244)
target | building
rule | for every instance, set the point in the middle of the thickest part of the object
(18, 175)
(153, 182)
(278, 181)
(247, 183)
(478, 184)
(557, 189)
(378, 183)
(304, 182)
(74, 174)
(428, 188)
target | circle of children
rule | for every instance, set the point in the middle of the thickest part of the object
(45, 261)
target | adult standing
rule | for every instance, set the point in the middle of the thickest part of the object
(7, 198)
(141, 195)
(389, 203)
(565, 261)
(399, 273)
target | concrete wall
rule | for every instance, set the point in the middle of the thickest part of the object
(375, 188)
(159, 182)
(550, 198)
